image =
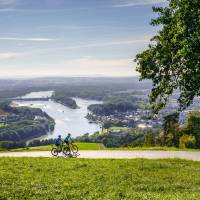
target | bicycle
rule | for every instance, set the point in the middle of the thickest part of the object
(69, 150)
(73, 147)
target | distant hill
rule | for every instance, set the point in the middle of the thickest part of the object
(131, 82)
(72, 85)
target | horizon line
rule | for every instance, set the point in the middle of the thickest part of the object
(71, 76)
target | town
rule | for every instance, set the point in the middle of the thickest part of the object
(121, 122)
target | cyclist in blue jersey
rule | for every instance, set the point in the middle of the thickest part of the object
(58, 142)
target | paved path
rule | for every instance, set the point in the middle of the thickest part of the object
(114, 154)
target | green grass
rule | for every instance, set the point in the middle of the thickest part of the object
(88, 146)
(81, 146)
(80, 179)
(98, 146)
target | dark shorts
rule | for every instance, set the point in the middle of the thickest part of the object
(66, 142)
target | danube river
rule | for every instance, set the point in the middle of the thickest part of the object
(67, 120)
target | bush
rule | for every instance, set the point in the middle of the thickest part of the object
(187, 141)
(149, 139)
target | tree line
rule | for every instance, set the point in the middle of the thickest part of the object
(113, 104)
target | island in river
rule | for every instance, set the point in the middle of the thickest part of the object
(63, 99)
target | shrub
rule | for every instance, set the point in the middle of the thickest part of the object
(187, 141)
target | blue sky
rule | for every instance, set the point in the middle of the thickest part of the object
(73, 37)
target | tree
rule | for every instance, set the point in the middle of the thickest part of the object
(172, 60)
(171, 129)
(149, 139)
(192, 126)
(187, 141)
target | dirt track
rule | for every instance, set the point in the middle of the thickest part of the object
(114, 154)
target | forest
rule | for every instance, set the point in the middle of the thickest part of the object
(118, 103)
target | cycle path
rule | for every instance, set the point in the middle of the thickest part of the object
(114, 154)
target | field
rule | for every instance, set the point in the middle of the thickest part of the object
(81, 146)
(138, 179)
(99, 146)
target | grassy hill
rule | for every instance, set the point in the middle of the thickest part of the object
(138, 179)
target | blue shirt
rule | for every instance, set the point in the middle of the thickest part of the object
(58, 141)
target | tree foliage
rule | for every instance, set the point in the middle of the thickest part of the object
(192, 126)
(115, 104)
(172, 60)
(187, 141)
(28, 123)
(134, 137)
(150, 139)
(171, 129)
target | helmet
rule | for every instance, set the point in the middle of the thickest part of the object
(59, 136)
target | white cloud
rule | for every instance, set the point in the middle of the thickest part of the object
(27, 39)
(5, 56)
(113, 43)
(132, 3)
(144, 40)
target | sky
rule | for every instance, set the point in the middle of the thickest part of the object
(73, 37)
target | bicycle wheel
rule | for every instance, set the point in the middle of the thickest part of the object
(74, 148)
(54, 151)
(66, 151)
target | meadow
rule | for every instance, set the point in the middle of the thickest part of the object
(76, 179)
(99, 146)
(81, 146)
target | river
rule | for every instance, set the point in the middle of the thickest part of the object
(67, 120)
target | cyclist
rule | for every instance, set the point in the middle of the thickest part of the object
(68, 139)
(72, 148)
(58, 143)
